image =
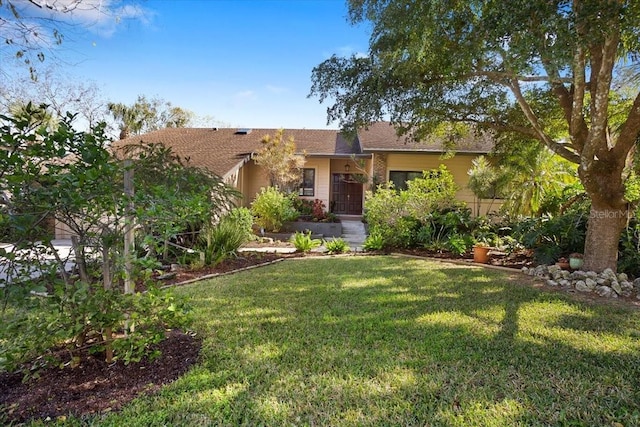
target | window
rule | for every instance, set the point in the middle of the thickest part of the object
(308, 182)
(400, 178)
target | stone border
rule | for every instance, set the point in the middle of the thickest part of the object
(226, 273)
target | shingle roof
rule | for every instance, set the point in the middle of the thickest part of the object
(220, 150)
(381, 136)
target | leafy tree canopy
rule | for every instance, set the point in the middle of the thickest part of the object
(471, 61)
(146, 115)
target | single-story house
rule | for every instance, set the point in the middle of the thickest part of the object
(337, 171)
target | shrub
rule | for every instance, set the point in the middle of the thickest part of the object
(77, 316)
(459, 244)
(243, 219)
(337, 246)
(303, 206)
(373, 242)
(272, 208)
(224, 239)
(552, 237)
(397, 216)
(303, 241)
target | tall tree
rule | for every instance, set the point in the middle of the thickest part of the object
(436, 60)
(59, 91)
(146, 115)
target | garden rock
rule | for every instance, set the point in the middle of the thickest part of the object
(604, 291)
(607, 284)
(616, 287)
(591, 284)
(581, 286)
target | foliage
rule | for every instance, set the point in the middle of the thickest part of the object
(303, 241)
(447, 229)
(223, 240)
(272, 208)
(146, 115)
(553, 237)
(629, 258)
(303, 206)
(71, 177)
(374, 242)
(30, 34)
(398, 215)
(483, 179)
(78, 316)
(337, 246)
(314, 210)
(279, 159)
(527, 68)
(60, 92)
(172, 197)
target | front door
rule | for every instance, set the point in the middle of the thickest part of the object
(346, 194)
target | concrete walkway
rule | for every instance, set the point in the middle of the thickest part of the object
(353, 232)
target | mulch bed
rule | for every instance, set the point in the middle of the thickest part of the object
(94, 386)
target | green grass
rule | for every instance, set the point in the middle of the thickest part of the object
(397, 341)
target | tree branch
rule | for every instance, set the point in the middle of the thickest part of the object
(554, 146)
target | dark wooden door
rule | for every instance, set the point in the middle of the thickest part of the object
(346, 194)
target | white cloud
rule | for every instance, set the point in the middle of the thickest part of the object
(243, 98)
(276, 89)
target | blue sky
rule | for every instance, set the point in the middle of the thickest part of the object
(245, 63)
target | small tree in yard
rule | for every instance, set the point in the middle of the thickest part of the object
(71, 176)
(470, 61)
(278, 158)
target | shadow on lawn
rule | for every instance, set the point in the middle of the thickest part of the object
(406, 342)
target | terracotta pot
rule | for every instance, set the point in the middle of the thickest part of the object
(563, 265)
(481, 254)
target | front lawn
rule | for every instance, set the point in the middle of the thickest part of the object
(398, 341)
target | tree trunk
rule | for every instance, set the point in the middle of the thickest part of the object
(603, 235)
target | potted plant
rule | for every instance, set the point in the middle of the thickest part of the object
(485, 240)
(576, 260)
(563, 263)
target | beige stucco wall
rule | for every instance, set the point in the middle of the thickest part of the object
(458, 165)
(322, 182)
(253, 179)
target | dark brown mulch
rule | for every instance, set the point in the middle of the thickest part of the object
(242, 261)
(516, 260)
(94, 386)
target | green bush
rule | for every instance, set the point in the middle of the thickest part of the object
(440, 225)
(77, 315)
(303, 241)
(243, 219)
(224, 239)
(373, 242)
(337, 246)
(397, 216)
(272, 208)
(553, 237)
